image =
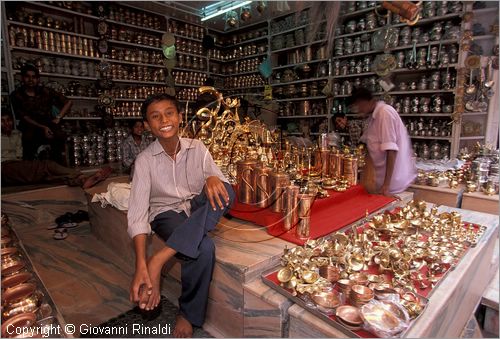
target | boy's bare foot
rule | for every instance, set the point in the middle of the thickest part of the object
(183, 328)
(154, 265)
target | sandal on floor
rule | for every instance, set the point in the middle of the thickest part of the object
(80, 216)
(60, 234)
(65, 218)
(68, 225)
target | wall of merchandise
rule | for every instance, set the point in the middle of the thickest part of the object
(427, 63)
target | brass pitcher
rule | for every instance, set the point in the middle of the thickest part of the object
(245, 181)
(291, 215)
(263, 186)
(279, 182)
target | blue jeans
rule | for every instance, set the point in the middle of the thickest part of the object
(188, 237)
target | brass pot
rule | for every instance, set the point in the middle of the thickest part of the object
(291, 216)
(335, 164)
(279, 182)
(263, 186)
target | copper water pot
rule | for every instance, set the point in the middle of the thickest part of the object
(263, 186)
(321, 165)
(335, 160)
(279, 182)
(291, 216)
(245, 181)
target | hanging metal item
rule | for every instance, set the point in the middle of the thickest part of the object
(245, 14)
(384, 64)
(407, 10)
(384, 39)
(106, 100)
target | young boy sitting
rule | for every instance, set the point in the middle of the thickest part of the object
(180, 194)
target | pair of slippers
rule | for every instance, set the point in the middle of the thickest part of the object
(66, 221)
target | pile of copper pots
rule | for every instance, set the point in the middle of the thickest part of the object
(24, 304)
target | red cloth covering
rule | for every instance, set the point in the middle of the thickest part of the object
(327, 215)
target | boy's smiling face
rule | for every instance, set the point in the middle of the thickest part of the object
(163, 119)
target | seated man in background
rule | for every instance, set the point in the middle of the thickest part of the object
(16, 171)
(134, 144)
(40, 110)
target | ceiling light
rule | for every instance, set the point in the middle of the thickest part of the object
(221, 9)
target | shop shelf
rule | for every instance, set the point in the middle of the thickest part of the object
(244, 88)
(125, 43)
(128, 118)
(299, 46)
(471, 114)
(57, 75)
(483, 37)
(424, 44)
(42, 28)
(187, 85)
(81, 118)
(240, 73)
(246, 41)
(479, 137)
(75, 97)
(129, 100)
(437, 115)
(125, 81)
(397, 71)
(133, 63)
(152, 30)
(192, 54)
(430, 91)
(300, 64)
(62, 10)
(189, 70)
(301, 99)
(304, 116)
(420, 22)
(356, 13)
(487, 10)
(431, 138)
(295, 28)
(246, 57)
(299, 81)
(42, 51)
(187, 37)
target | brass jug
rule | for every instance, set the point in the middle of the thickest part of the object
(263, 186)
(279, 182)
(245, 181)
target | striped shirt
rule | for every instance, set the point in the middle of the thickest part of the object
(161, 184)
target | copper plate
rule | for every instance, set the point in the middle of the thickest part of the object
(6, 251)
(327, 299)
(18, 292)
(349, 315)
(16, 279)
(11, 266)
(20, 320)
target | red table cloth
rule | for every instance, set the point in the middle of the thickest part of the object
(327, 215)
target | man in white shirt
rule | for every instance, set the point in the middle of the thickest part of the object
(388, 143)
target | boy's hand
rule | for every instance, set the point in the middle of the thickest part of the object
(215, 190)
(141, 285)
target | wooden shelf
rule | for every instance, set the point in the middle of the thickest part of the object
(62, 10)
(300, 64)
(125, 81)
(299, 46)
(56, 75)
(431, 138)
(81, 118)
(134, 63)
(301, 99)
(304, 116)
(192, 54)
(187, 37)
(132, 44)
(437, 115)
(42, 28)
(483, 37)
(479, 137)
(152, 30)
(42, 51)
(397, 71)
(299, 81)
(295, 28)
(245, 57)
(76, 97)
(246, 41)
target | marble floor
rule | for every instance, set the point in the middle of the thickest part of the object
(81, 274)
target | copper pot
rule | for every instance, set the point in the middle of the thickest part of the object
(321, 162)
(263, 186)
(19, 321)
(245, 181)
(335, 164)
(279, 182)
(291, 216)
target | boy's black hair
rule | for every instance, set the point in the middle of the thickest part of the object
(360, 93)
(154, 98)
(27, 67)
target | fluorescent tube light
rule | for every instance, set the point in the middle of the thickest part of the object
(225, 10)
